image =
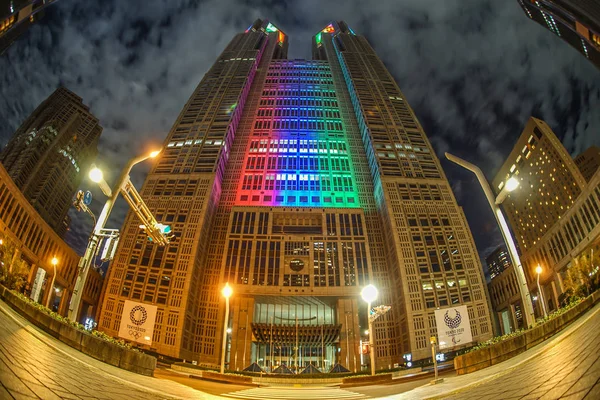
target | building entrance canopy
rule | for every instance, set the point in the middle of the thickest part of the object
(312, 335)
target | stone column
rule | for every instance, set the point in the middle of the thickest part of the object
(31, 278)
(242, 309)
(554, 294)
(347, 312)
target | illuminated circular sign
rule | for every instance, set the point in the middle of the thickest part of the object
(296, 265)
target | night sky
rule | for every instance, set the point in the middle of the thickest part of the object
(473, 71)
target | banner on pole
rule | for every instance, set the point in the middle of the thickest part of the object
(453, 327)
(137, 322)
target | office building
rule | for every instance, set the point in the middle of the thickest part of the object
(549, 183)
(588, 162)
(50, 152)
(298, 182)
(577, 22)
(16, 16)
(577, 231)
(35, 243)
(498, 261)
(554, 214)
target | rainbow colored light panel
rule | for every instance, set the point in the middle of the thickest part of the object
(298, 154)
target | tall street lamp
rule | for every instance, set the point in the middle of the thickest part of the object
(369, 294)
(538, 271)
(54, 263)
(494, 203)
(123, 185)
(226, 292)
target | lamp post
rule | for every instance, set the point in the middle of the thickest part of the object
(54, 263)
(226, 292)
(369, 294)
(494, 203)
(86, 261)
(538, 271)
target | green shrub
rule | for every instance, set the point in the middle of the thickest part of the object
(573, 302)
(74, 324)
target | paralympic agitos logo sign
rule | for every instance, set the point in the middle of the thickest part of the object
(453, 326)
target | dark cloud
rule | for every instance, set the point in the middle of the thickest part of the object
(473, 70)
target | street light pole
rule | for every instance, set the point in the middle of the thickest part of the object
(371, 341)
(226, 292)
(54, 262)
(538, 270)
(508, 239)
(86, 261)
(369, 294)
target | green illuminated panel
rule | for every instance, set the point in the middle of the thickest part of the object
(271, 28)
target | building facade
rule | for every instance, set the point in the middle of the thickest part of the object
(577, 22)
(34, 244)
(588, 162)
(298, 182)
(577, 231)
(549, 183)
(554, 214)
(506, 301)
(16, 16)
(49, 153)
(498, 261)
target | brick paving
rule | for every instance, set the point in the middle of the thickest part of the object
(35, 366)
(30, 368)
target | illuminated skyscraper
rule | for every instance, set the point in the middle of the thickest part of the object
(549, 183)
(577, 22)
(49, 153)
(298, 182)
(554, 213)
(16, 16)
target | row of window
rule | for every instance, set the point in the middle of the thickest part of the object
(298, 163)
(250, 262)
(305, 112)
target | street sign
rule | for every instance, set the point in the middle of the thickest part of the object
(378, 311)
(87, 198)
(453, 327)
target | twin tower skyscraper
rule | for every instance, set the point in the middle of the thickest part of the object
(298, 182)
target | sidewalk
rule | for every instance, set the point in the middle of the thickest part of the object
(568, 363)
(35, 365)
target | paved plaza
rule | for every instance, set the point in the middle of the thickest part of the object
(35, 366)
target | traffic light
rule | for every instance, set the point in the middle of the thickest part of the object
(166, 231)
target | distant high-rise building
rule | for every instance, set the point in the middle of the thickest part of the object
(588, 162)
(549, 183)
(16, 16)
(49, 153)
(575, 21)
(298, 182)
(498, 261)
